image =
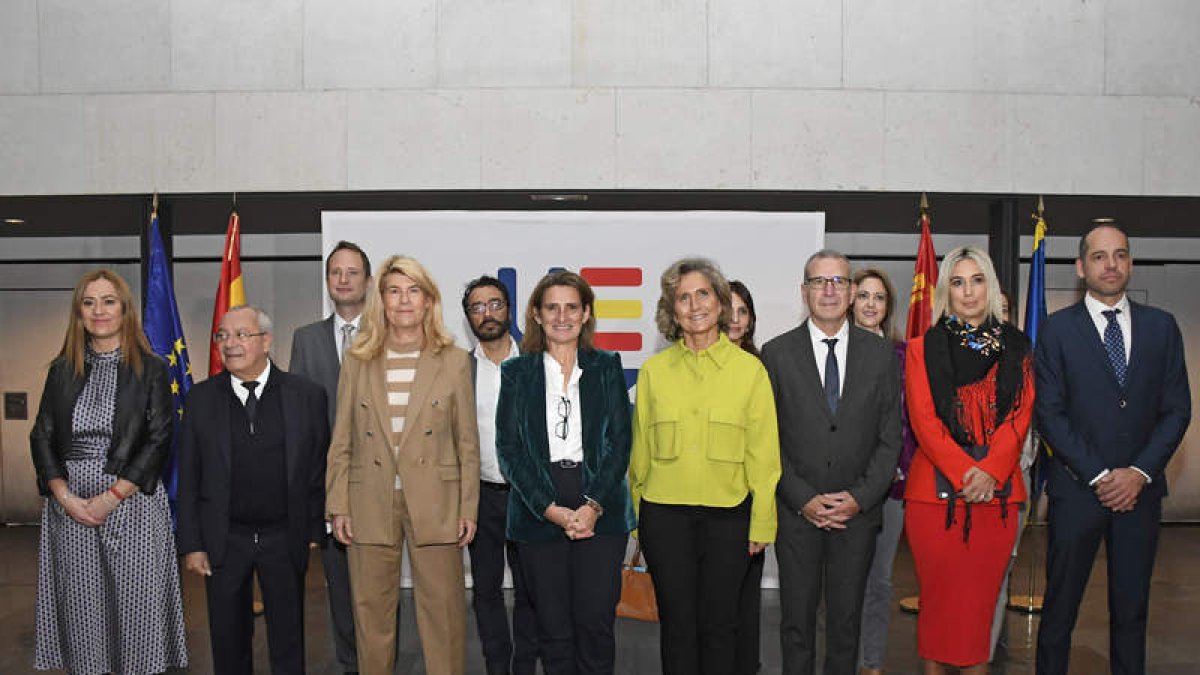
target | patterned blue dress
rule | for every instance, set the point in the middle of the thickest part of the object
(108, 597)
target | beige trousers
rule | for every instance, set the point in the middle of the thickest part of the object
(439, 592)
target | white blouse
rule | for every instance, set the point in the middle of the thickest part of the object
(562, 412)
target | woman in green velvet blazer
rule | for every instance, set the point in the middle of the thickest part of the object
(563, 435)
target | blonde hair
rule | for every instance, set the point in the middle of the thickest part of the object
(373, 327)
(941, 294)
(133, 341)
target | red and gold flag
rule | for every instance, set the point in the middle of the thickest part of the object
(920, 303)
(230, 292)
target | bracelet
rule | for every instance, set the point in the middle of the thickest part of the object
(594, 504)
(116, 493)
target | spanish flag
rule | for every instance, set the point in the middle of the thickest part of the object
(230, 292)
(920, 303)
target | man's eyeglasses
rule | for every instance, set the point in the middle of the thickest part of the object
(839, 283)
(241, 336)
(564, 417)
(481, 307)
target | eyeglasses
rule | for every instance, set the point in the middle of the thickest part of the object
(240, 336)
(839, 283)
(491, 305)
(564, 413)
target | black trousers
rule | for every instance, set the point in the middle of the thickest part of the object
(574, 586)
(815, 563)
(697, 557)
(503, 652)
(231, 597)
(1077, 525)
(749, 631)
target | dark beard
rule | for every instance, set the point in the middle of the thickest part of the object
(490, 325)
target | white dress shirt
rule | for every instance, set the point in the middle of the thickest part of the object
(487, 394)
(820, 350)
(242, 393)
(572, 446)
(1095, 309)
(338, 322)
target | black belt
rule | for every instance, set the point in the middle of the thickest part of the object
(498, 487)
(567, 464)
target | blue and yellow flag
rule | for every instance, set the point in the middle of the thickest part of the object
(166, 337)
(1035, 301)
(1035, 313)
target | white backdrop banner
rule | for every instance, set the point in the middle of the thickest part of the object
(622, 254)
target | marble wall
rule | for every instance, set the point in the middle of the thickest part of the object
(1055, 96)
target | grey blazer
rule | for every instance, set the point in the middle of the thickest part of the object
(314, 355)
(854, 450)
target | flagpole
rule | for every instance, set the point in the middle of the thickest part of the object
(1031, 602)
(921, 293)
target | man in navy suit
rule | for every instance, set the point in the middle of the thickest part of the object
(1113, 403)
(317, 354)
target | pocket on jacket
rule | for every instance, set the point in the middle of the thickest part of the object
(449, 473)
(665, 430)
(726, 435)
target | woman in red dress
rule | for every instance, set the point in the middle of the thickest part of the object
(970, 399)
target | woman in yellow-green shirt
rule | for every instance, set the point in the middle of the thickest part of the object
(703, 469)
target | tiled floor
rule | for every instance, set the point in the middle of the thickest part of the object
(1173, 645)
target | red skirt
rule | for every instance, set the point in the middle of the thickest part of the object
(959, 580)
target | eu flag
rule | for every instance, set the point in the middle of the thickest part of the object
(166, 338)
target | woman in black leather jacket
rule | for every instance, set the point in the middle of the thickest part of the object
(108, 584)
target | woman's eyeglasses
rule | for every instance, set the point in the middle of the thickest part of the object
(564, 418)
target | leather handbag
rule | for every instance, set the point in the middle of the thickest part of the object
(637, 590)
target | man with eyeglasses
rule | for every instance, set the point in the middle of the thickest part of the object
(252, 453)
(485, 302)
(317, 351)
(837, 399)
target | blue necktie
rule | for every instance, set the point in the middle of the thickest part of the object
(1114, 344)
(832, 380)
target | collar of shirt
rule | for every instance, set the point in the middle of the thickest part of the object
(242, 393)
(719, 352)
(820, 350)
(1095, 309)
(338, 322)
(554, 375)
(482, 358)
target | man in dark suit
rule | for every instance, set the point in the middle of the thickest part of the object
(1113, 404)
(486, 304)
(837, 397)
(317, 354)
(251, 493)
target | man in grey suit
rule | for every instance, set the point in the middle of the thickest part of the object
(316, 354)
(837, 397)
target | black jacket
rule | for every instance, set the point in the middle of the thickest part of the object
(204, 498)
(141, 429)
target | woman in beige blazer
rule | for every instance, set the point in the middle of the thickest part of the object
(404, 468)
